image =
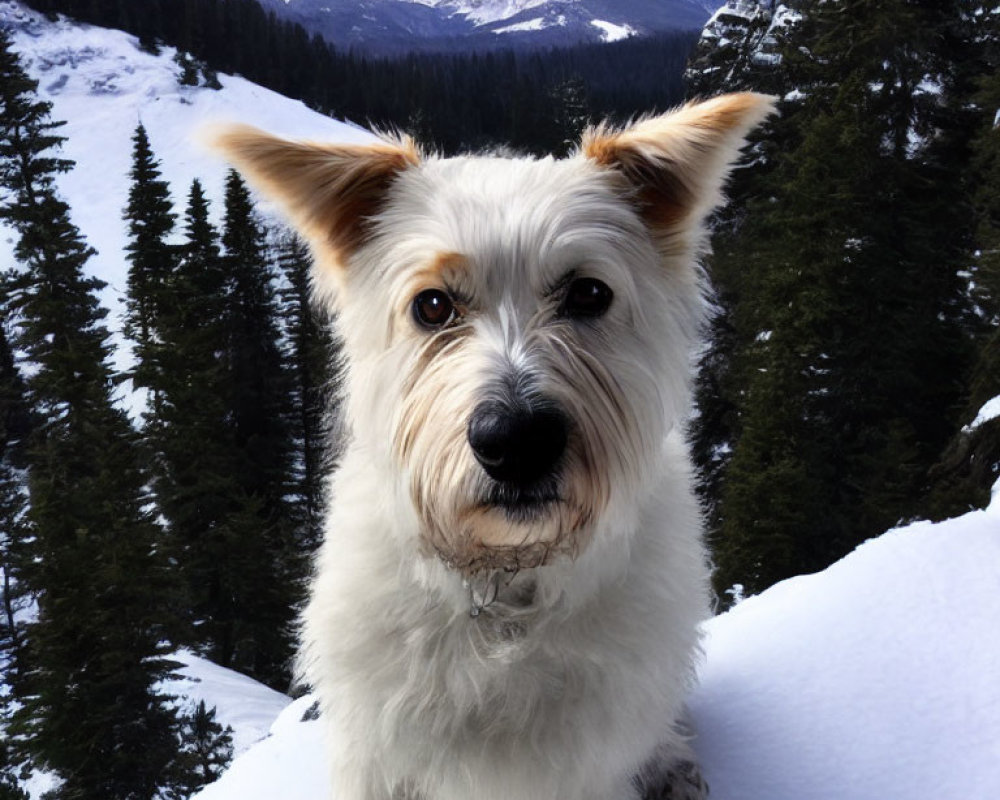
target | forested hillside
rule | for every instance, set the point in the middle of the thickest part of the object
(531, 100)
(857, 277)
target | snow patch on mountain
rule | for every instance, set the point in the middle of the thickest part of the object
(486, 13)
(536, 24)
(611, 32)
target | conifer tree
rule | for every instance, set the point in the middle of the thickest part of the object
(266, 586)
(849, 313)
(970, 465)
(14, 427)
(86, 673)
(313, 357)
(205, 751)
(194, 481)
(152, 262)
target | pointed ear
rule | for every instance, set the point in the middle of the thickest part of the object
(327, 190)
(678, 162)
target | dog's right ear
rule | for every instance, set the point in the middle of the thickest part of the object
(676, 163)
(329, 191)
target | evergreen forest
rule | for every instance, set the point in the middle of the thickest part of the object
(855, 336)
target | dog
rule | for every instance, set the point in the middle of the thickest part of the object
(507, 601)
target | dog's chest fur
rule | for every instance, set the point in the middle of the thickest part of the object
(567, 678)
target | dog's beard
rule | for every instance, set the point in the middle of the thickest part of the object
(481, 525)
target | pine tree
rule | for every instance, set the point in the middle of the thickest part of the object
(14, 427)
(849, 315)
(189, 69)
(313, 356)
(970, 465)
(152, 261)
(194, 481)
(267, 585)
(85, 674)
(206, 748)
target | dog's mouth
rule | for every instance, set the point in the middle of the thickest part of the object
(522, 503)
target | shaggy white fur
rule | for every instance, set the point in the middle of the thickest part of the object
(463, 648)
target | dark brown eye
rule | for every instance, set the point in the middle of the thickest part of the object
(433, 309)
(587, 297)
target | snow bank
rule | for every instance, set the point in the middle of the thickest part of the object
(288, 766)
(990, 410)
(877, 679)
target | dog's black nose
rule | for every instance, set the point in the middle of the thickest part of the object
(517, 445)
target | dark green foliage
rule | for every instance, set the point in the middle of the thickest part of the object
(843, 346)
(970, 465)
(9, 787)
(189, 70)
(204, 753)
(313, 355)
(14, 429)
(265, 587)
(152, 260)
(224, 441)
(191, 440)
(86, 669)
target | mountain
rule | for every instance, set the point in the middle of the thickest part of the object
(403, 25)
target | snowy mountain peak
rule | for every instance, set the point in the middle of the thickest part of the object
(399, 25)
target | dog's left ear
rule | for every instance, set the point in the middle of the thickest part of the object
(677, 162)
(329, 191)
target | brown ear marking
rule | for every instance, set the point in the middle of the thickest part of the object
(328, 190)
(678, 161)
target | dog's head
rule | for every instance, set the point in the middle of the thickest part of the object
(517, 331)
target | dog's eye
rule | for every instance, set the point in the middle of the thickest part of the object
(587, 297)
(433, 309)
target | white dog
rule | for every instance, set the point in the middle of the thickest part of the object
(507, 601)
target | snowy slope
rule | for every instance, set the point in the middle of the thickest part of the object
(102, 85)
(242, 703)
(877, 679)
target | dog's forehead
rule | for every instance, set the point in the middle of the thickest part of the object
(524, 215)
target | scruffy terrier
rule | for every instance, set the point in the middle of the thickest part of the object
(507, 602)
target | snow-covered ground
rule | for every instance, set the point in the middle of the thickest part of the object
(876, 679)
(242, 703)
(102, 85)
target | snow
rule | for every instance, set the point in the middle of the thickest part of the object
(876, 678)
(102, 85)
(487, 12)
(289, 765)
(611, 32)
(242, 703)
(536, 24)
(990, 410)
